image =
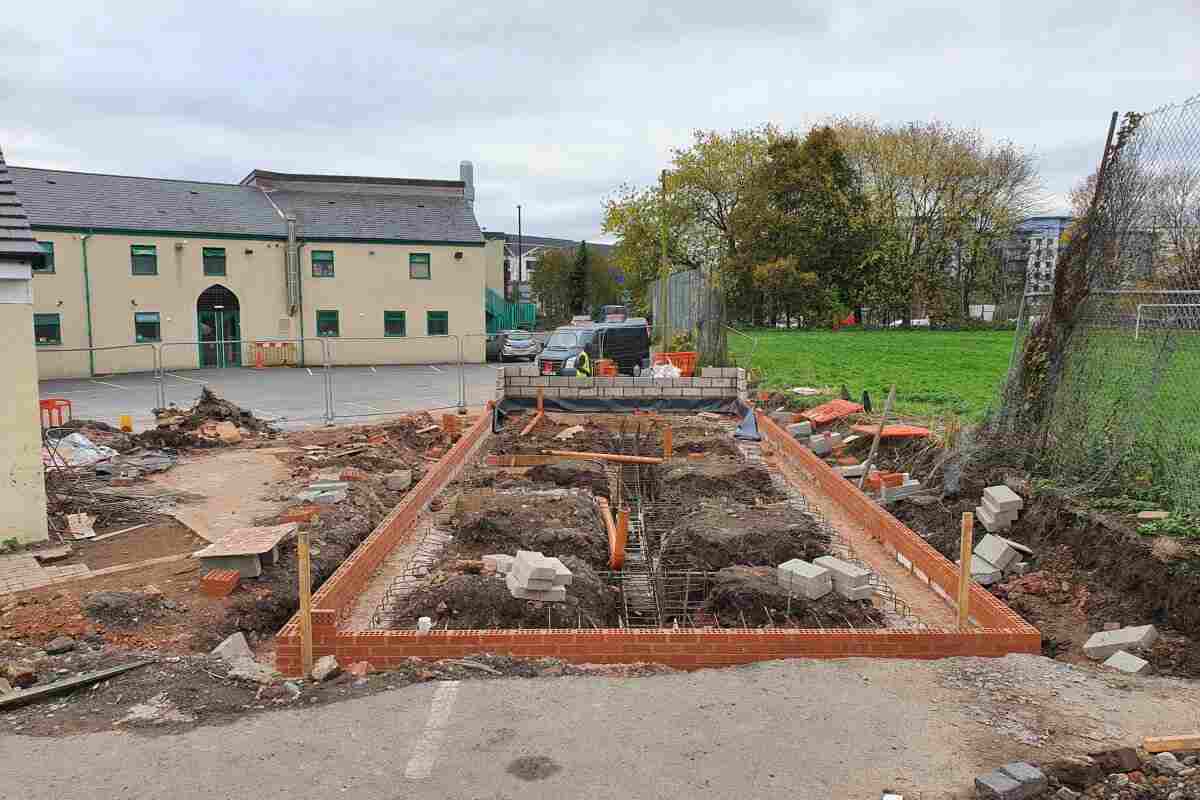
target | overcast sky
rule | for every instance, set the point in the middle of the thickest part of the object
(556, 104)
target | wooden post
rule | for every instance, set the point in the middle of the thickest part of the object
(965, 550)
(668, 441)
(304, 567)
(887, 408)
(540, 406)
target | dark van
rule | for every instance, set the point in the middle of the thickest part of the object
(627, 343)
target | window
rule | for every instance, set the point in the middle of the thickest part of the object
(146, 327)
(48, 264)
(394, 323)
(144, 258)
(418, 266)
(47, 329)
(322, 261)
(437, 323)
(214, 260)
(327, 323)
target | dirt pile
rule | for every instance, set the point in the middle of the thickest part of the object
(752, 596)
(122, 609)
(715, 537)
(211, 408)
(587, 475)
(730, 481)
(483, 601)
(557, 525)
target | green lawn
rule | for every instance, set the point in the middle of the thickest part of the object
(935, 372)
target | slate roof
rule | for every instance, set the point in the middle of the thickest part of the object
(16, 240)
(420, 218)
(87, 200)
(55, 198)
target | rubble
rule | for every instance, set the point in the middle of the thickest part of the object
(326, 667)
(533, 576)
(1127, 662)
(1103, 644)
(233, 648)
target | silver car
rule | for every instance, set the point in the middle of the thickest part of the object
(519, 345)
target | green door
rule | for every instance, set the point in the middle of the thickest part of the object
(220, 332)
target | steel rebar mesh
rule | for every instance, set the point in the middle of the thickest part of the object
(1106, 367)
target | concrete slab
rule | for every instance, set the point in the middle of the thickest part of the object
(805, 579)
(844, 574)
(997, 786)
(1032, 779)
(249, 541)
(1127, 662)
(983, 572)
(1103, 644)
(997, 551)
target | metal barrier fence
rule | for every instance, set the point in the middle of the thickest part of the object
(385, 346)
(80, 407)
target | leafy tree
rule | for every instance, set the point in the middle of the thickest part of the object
(555, 280)
(580, 273)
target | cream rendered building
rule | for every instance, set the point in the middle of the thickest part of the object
(22, 486)
(367, 270)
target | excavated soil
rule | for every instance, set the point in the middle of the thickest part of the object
(586, 475)
(752, 596)
(483, 601)
(738, 482)
(557, 525)
(716, 536)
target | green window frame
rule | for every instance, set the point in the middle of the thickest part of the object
(328, 324)
(437, 323)
(47, 266)
(213, 259)
(47, 329)
(147, 327)
(419, 266)
(395, 323)
(143, 259)
(322, 263)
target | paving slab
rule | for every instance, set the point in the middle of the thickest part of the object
(1127, 662)
(997, 551)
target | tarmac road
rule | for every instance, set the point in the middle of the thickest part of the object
(797, 729)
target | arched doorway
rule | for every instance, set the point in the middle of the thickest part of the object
(218, 327)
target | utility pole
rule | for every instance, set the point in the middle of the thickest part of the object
(664, 272)
(520, 258)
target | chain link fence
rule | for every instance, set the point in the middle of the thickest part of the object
(696, 307)
(1105, 371)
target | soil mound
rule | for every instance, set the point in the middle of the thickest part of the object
(742, 483)
(555, 525)
(716, 537)
(586, 475)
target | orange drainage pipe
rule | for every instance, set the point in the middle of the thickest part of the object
(617, 557)
(532, 423)
(616, 542)
(668, 442)
(619, 458)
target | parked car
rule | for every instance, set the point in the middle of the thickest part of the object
(627, 343)
(519, 345)
(611, 314)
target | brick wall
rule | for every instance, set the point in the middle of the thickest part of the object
(714, 383)
(1001, 631)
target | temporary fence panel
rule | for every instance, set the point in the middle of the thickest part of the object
(108, 395)
(375, 376)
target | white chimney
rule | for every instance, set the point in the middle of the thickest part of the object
(466, 173)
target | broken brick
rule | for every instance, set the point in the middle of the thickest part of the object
(304, 513)
(833, 410)
(354, 474)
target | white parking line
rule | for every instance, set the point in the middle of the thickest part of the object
(432, 367)
(106, 383)
(180, 377)
(372, 369)
(309, 369)
(364, 405)
(425, 754)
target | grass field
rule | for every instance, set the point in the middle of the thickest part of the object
(934, 371)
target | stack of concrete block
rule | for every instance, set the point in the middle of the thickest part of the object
(999, 509)
(1104, 644)
(852, 471)
(533, 576)
(995, 557)
(1015, 781)
(800, 430)
(888, 494)
(849, 580)
(715, 383)
(802, 578)
(823, 443)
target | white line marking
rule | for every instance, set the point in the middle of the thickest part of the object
(180, 377)
(435, 369)
(425, 754)
(309, 370)
(364, 405)
(106, 383)
(372, 369)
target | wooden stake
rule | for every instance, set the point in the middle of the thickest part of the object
(541, 403)
(668, 441)
(532, 423)
(887, 408)
(965, 549)
(619, 458)
(304, 567)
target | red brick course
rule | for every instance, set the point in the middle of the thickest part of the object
(1003, 631)
(219, 582)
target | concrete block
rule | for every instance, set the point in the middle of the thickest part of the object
(983, 572)
(672, 392)
(329, 486)
(568, 391)
(500, 562)
(539, 381)
(997, 551)
(823, 443)
(1009, 515)
(531, 565)
(1127, 662)
(623, 380)
(1032, 779)
(233, 648)
(330, 498)
(854, 471)
(989, 521)
(692, 393)
(605, 381)
(799, 429)
(997, 786)
(518, 381)
(845, 574)
(714, 393)
(562, 575)
(1103, 644)
(1021, 568)
(555, 595)
(1003, 498)
(857, 593)
(803, 578)
(528, 370)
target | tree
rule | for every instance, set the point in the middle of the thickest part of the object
(555, 280)
(579, 280)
